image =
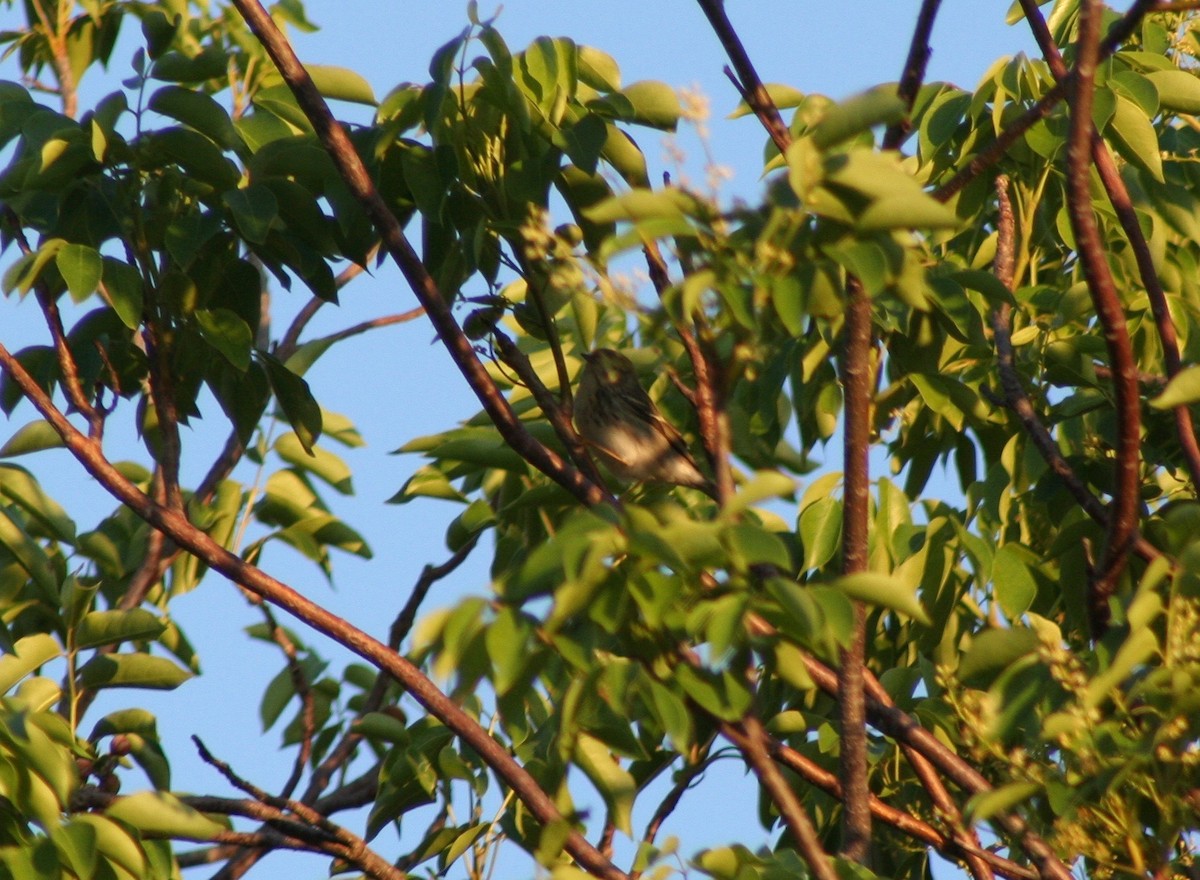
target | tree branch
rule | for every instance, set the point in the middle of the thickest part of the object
(890, 720)
(1122, 204)
(177, 527)
(1015, 397)
(1016, 129)
(1123, 515)
(551, 406)
(750, 738)
(914, 72)
(857, 387)
(747, 82)
(950, 847)
(337, 144)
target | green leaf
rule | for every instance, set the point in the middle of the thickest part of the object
(753, 545)
(113, 627)
(296, 400)
(1182, 390)
(27, 552)
(115, 842)
(195, 154)
(320, 463)
(24, 272)
(30, 653)
(614, 782)
(161, 813)
(763, 486)
(132, 670)
(225, 331)
(1178, 90)
(1134, 137)
(340, 84)
(462, 842)
(123, 284)
(254, 209)
(720, 694)
(843, 121)
(993, 650)
(81, 268)
(783, 96)
(197, 110)
(18, 484)
(598, 69)
(820, 532)
(983, 806)
(33, 437)
(654, 104)
(883, 590)
(640, 204)
(1013, 581)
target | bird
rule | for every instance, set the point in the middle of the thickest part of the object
(620, 422)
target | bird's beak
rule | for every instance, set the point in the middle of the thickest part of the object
(589, 356)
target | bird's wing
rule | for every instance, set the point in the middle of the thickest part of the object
(663, 427)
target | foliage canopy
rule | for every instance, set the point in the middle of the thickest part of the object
(999, 285)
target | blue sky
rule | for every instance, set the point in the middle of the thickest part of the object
(397, 384)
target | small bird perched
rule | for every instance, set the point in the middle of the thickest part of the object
(621, 423)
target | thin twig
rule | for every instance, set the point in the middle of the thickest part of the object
(914, 72)
(169, 448)
(363, 790)
(551, 406)
(1015, 397)
(686, 778)
(753, 92)
(66, 360)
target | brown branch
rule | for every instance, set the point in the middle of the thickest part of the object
(354, 848)
(950, 847)
(858, 385)
(707, 398)
(337, 144)
(291, 338)
(709, 402)
(363, 790)
(400, 629)
(1122, 204)
(364, 326)
(49, 306)
(894, 722)
(747, 82)
(168, 450)
(177, 527)
(1015, 397)
(1016, 129)
(1123, 514)
(914, 72)
(303, 688)
(56, 38)
(551, 406)
(857, 389)
(751, 739)
(686, 779)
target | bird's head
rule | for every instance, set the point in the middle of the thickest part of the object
(607, 367)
